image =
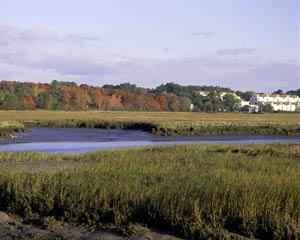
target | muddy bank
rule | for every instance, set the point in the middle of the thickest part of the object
(14, 227)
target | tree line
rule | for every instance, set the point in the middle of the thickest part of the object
(61, 95)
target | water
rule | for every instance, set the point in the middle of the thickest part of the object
(79, 140)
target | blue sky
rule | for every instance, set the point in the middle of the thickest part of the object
(242, 44)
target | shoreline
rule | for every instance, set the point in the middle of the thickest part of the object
(163, 123)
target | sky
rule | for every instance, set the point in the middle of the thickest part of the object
(241, 44)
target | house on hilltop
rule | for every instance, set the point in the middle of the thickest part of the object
(279, 102)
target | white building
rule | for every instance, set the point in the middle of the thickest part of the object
(279, 102)
(244, 103)
(203, 93)
(219, 94)
(192, 107)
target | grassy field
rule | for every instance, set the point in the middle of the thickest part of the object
(164, 123)
(199, 191)
(150, 116)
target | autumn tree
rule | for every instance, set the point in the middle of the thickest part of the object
(27, 103)
(162, 101)
(97, 97)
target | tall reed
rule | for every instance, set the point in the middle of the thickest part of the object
(198, 191)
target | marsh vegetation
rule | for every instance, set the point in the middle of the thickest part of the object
(198, 191)
(163, 123)
(8, 128)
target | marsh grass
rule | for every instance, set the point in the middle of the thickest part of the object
(8, 128)
(163, 123)
(196, 190)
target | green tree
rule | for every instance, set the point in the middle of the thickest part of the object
(267, 108)
(184, 104)
(294, 92)
(279, 91)
(57, 93)
(11, 102)
(231, 103)
(44, 101)
(245, 95)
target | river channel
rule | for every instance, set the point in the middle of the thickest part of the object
(80, 140)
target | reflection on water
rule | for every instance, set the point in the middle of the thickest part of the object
(78, 140)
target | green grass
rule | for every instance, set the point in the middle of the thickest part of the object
(199, 191)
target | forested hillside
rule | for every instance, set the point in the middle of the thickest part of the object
(69, 96)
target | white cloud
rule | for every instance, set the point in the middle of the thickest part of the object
(239, 74)
(11, 35)
(25, 56)
(201, 34)
(235, 51)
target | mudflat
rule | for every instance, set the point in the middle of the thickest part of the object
(14, 227)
